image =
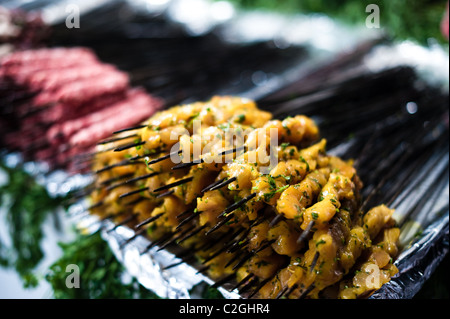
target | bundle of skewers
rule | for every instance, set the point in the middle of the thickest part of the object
(304, 227)
(291, 228)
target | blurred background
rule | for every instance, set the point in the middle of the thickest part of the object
(179, 51)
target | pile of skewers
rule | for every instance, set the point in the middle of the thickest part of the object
(293, 228)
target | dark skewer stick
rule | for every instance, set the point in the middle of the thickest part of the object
(136, 191)
(157, 242)
(165, 194)
(130, 129)
(252, 253)
(208, 188)
(116, 178)
(148, 221)
(111, 187)
(100, 203)
(258, 288)
(240, 283)
(236, 205)
(227, 213)
(276, 220)
(123, 163)
(134, 202)
(129, 240)
(174, 239)
(209, 244)
(112, 140)
(314, 261)
(215, 254)
(224, 183)
(236, 256)
(282, 292)
(290, 290)
(184, 213)
(234, 150)
(128, 146)
(184, 260)
(305, 233)
(243, 240)
(220, 224)
(186, 165)
(203, 269)
(179, 182)
(162, 158)
(80, 193)
(194, 232)
(111, 216)
(248, 285)
(307, 291)
(238, 245)
(125, 221)
(188, 219)
(222, 281)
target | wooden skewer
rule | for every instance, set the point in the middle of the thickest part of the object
(148, 221)
(139, 178)
(130, 129)
(258, 288)
(175, 238)
(112, 140)
(136, 191)
(168, 193)
(314, 261)
(194, 232)
(129, 240)
(127, 146)
(223, 280)
(305, 233)
(236, 205)
(125, 221)
(240, 283)
(307, 291)
(224, 183)
(188, 219)
(179, 182)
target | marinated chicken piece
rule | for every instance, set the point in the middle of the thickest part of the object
(211, 205)
(337, 188)
(357, 242)
(376, 218)
(285, 238)
(291, 226)
(299, 129)
(170, 207)
(377, 270)
(296, 198)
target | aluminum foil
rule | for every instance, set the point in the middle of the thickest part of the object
(325, 38)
